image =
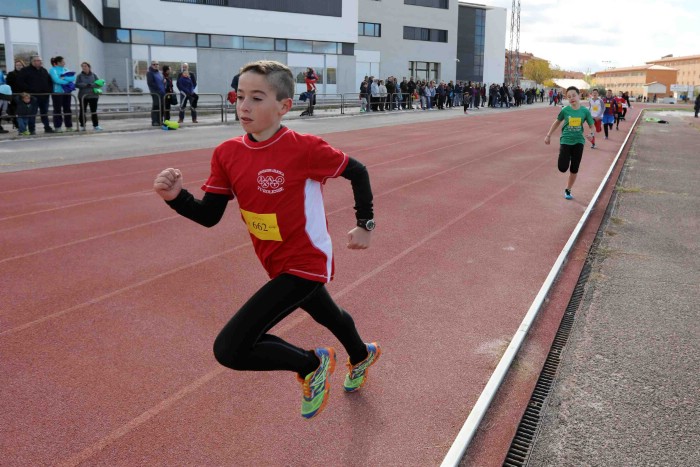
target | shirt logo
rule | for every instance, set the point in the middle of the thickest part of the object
(270, 181)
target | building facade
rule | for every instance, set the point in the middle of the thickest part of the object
(688, 69)
(634, 79)
(342, 39)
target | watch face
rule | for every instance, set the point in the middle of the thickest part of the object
(369, 225)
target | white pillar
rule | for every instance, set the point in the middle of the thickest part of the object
(9, 50)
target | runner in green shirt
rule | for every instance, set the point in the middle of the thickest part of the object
(572, 137)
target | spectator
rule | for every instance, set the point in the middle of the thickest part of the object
(35, 79)
(85, 82)
(170, 96)
(63, 86)
(382, 96)
(11, 80)
(364, 103)
(27, 107)
(186, 87)
(5, 98)
(310, 79)
(156, 86)
(234, 82)
(374, 94)
(193, 78)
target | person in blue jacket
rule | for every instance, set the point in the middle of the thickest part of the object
(186, 86)
(156, 86)
(63, 86)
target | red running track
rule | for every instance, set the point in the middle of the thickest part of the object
(111, 301)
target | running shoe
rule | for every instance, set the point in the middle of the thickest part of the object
(98, 128)
(357, 374)
(567, 194)
(316, 386)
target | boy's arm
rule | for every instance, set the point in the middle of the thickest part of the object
(207, 211)
(553, 128)
(361, 188)
(358, 237)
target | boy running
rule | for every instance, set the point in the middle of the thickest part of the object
(595, 105)
(610, 105)
(621, 103)
(572, 139)
(277, 176)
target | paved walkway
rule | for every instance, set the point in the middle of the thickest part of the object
(626, 393)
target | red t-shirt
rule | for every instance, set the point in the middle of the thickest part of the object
(278, 183)
(620, 101)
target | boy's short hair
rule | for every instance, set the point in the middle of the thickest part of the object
(25, 94)
(573, 88)
(278, 75)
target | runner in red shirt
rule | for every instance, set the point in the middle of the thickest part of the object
(277, 176)
(621, 103)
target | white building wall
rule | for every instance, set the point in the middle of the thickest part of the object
(495, 45)
(182, 17)
(396, 52)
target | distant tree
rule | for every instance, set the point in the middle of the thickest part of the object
(538, 71)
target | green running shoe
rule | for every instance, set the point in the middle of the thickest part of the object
(316, 386)
(357, 374)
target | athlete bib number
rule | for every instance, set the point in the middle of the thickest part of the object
(595, 108)
(574, 121)
(607, 105)
(263, 226)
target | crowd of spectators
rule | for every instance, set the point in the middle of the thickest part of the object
(378, 95)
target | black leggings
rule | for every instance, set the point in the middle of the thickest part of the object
(570, 157)
(92, 103)
(244, 343)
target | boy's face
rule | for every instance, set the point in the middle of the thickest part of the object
(257, 106)
(26, 99)
(594, 93)
(572, 96)
(608, 94)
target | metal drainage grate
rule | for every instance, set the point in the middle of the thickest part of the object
(525, 435)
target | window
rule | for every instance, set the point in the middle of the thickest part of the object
(424, 34)
(226, 42)
(325, 47)
(182, 39)
(139, 36)
(54, 9)
(369, 29)
(203, 40)
(280, 44)
(111, 3)
(444, 4)
(424, 70)
(299, 46)
(123, 36)
(20, 8)
(258, 43)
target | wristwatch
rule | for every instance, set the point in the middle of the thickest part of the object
(367, 224)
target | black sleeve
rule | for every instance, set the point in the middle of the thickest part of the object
(361, 189)
(207, 211)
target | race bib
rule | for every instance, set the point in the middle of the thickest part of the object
(263, 226)
(607, 105)
(574, 121)
(595, 108)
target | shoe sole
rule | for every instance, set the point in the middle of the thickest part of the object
(364, 381)
(331, 369)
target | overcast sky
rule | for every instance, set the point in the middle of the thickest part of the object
(592, 35)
